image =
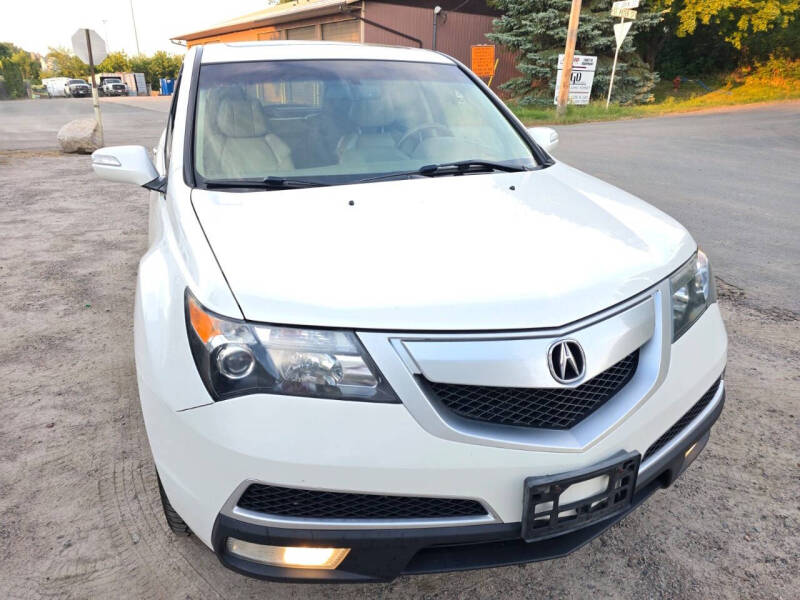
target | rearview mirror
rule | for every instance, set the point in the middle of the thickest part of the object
(546, 137)
(125, 164)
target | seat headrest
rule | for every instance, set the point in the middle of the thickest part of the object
(241, 118)
(371, 107)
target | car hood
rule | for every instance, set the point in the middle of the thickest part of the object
(475, 252)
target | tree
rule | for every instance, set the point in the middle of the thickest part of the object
(66, 64)
(12, 77)
(737, 19)
(141, 64)
(115, 62)
(28, 66)
(537, 30)
(711, 36)
(7, 49)
(163, 65)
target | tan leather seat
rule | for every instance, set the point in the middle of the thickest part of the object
(247, 148)
(372, 112)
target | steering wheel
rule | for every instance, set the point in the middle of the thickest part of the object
(417, 131)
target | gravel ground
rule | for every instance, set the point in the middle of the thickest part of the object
(79, 509)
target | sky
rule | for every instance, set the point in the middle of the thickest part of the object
(37, 24)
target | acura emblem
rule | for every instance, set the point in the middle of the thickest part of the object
(566, 360)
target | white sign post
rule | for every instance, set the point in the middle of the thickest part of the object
(581, 78)
(624, 10)
(90, 48)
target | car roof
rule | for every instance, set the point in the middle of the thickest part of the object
(302, 50)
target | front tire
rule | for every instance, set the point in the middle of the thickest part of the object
(176, 524)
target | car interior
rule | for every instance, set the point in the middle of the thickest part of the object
(335, 126)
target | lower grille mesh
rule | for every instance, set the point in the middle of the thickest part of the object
(683, 421)
(313, 504)
(546, 408)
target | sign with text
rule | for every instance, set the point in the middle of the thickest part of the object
(580, 85)
(483, 60)
(623, 13)
(625, 4)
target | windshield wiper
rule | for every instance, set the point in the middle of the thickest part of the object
(269, 183)
(451, 168)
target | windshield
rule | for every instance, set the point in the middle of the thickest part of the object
(74, 81)
(339, 121)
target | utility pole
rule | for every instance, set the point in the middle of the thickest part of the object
(569, 54)
(95, 101)
(135, 34)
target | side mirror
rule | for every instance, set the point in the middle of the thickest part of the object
(125, 164)
(546, 137)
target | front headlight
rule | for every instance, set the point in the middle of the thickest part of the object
(693, 290)
(235, 358)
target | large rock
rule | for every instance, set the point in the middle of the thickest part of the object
(80, 135)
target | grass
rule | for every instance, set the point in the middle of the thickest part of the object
(772, 81)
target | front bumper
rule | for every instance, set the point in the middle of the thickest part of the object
(382, 555)
(204, 451)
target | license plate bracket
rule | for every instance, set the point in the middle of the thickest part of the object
(545, 516)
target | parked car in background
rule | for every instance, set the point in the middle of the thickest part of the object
(112, 86)
(77, 88)
(380, 330)
(56, 86)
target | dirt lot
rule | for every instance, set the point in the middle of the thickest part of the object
(79, 510)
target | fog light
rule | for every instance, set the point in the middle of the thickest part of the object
(297, 557)
(693, 451)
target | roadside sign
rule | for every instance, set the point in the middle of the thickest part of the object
(81, 47)
(580, 84)
(579, 63)
(623, 13)
(620, 31)
(91, 49)
(483, 60)
(624, 10)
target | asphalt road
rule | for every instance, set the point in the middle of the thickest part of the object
(79, 511)
(731, 177)
(33, 124)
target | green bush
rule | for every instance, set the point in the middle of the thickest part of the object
(15, 87)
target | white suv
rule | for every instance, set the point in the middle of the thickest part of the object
(379, 330)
